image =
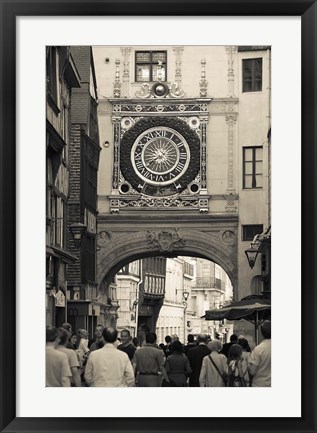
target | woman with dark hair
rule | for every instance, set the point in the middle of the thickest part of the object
(177, 365)
(243, 342)
(73, 341)
(236, 370)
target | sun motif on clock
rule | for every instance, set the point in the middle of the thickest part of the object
(159, 156)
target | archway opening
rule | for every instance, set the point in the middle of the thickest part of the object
(168, 294)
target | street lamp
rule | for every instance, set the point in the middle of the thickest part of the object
(252, 254)
(253, 251)
(185, 296)
(77, 230)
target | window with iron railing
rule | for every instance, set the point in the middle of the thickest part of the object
(204, 282)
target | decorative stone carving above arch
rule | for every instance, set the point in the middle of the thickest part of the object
(217, 245)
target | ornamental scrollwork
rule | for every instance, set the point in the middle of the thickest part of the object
(165, 240)
(160, 90)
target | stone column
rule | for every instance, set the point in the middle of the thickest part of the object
(116, 120)
(231, 52)
(203, 161)
(126, 51)
(117, 84)
(178, 72)
(231, 119)
(203, 83)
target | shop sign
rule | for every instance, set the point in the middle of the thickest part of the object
(60, 299)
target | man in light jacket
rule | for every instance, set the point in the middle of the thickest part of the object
(108, 366)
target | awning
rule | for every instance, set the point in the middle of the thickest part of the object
(251, 308)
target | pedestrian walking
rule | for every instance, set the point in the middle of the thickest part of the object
(226, 346)
(68, 327)
(190, 343)
(177, 366)
(236, 369)
(108, 366)
(98, 341)
(83, 344)
(167, 347)
(195, 357)
(246, 352)
(57, 368)
(260, 359)
(71, 356)
(126, 344)
(148, 362)
(73, 342)
(214, 369)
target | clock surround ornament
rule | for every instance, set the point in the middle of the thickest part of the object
(160, 156)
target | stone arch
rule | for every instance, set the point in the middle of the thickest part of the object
(127, 247)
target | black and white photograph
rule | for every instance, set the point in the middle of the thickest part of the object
(149, 151)
(158, 223)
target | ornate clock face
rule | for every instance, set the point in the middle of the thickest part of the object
(160, 156)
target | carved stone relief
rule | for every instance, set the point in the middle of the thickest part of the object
(165, 240)
(126, 244)
(203, 84)
(126, 51)
(231, 50)
(178, 72)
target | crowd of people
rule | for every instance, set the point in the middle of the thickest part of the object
(109, 361)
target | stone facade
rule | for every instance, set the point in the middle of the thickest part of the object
(206, 217)
(62, 78)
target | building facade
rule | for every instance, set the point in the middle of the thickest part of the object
(185, 161)
(83, 302)
(62, 77)
(211, 289)
(173, 318)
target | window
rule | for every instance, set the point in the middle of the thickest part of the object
(256, 285)
(150, 66)
(90, 185)
(51, 73)
(90, 256)
(252, 167)
(65, 131)
(250, 230)
(242, 48)
(252, 75)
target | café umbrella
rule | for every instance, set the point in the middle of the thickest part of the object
(254, 309)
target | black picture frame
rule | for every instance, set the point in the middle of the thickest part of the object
(307, 10)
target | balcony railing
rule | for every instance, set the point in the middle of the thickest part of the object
(204, 282)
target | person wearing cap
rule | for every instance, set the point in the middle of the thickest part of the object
(260, 359)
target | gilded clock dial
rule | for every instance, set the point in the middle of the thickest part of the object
(160, 156)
